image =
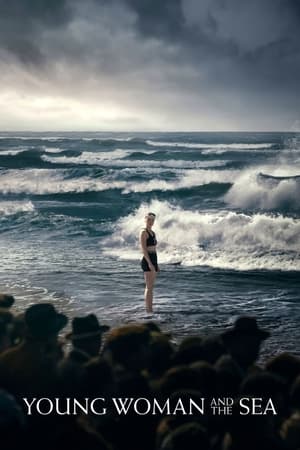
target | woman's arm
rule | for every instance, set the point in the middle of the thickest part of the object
(143, 244)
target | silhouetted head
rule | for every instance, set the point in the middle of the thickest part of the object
(244, 339)
(189, 350)
(212, 348)
(229, 375)
(250, 431)
(178, 378)
(266, 385)
(98, 378)
(128, 346)
(6, 300)
(285, 365)
(87, 334)
(190, 436)
(160, 351)
(43, 322)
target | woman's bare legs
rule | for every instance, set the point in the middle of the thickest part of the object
(149, 280)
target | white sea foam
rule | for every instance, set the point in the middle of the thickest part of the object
(13, 152)
(252, 189)
(234, 146)
(106, 158)
(68, 138)
(8, 208)
(45, 181)
(21, 149)
(221, 150)
(190, 178)
(109, 138)
(37, 138)
(53, 149)
(89, 157)
(219, 239)
(179, 169)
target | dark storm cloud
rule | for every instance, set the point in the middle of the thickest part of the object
(185, 55)
(245, 31)
(22, 22)
(256, 45)
(158, 18)
(231, 24)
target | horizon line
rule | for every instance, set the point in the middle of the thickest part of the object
(148, 131)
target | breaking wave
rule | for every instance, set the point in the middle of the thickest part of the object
(8, 208)
(219, 239)
(239, 146)
(112, 158)
(46, 181)
(277, 189)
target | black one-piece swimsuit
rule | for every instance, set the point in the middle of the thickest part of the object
(151, 240)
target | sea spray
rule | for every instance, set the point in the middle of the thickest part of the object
(222, 239)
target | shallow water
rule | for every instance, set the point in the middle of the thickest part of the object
(227, 205)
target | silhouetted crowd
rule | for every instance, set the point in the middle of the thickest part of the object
(45, 374)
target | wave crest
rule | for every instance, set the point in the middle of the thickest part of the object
(234, 146)
(46, 181)
(217, 239)
(278, 190)
(8, 208)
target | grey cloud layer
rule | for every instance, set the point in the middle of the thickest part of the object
(22, 22)
(212, 55)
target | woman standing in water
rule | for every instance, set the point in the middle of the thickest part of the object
(149, 262)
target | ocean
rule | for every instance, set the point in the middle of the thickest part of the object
(228, 227)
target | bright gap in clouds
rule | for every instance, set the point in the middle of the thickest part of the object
(32, 112)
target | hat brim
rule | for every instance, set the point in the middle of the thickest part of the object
(72, 336)
(61, 321)
(58, 324)
(233, 334)
(51, 328)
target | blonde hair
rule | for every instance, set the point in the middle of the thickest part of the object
(150, 214)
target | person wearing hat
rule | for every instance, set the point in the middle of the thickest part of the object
(243, 341)
(86, 335)
(6, 301)
(29, 368)
(86, 339)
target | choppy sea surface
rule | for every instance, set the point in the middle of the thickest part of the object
(228, 227)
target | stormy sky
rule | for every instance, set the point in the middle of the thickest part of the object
(150, 65)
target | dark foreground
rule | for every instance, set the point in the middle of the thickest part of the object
(131, 387)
